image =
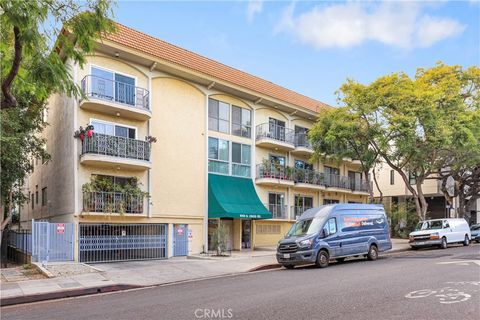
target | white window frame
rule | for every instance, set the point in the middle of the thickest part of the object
(241, 124)
(115, 124)
(241, 164)
(228, 161)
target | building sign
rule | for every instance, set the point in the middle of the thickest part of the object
(60, 227)
(190, 234)
(179, 231)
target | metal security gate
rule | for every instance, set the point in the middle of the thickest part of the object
(52, 241)
(180, 240)
(120, 242)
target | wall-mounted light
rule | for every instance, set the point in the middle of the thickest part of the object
(117, 54)
(118, 114)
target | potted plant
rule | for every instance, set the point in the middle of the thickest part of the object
(150, 139)
(79, 134)
(89, 130)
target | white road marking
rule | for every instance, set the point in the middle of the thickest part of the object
(462, 262)
(447, 295)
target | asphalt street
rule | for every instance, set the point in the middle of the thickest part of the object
(425, 284)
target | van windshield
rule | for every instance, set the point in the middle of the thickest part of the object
(429, 225)
(305, 227)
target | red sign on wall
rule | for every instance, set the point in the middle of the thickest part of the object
(60, 228)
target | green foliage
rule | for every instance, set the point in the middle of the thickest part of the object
(412, 124)
(403, 219)
(28, 30)
(220, 239)
(105, 184)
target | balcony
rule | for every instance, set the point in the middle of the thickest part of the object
(107, 151)
(270, 174)
(359, 186)
(337, 183)
(302, 144)
(298, 211)
(278, 211)
(115, 97)
(309, 179)
(113, 202)
(275, 137)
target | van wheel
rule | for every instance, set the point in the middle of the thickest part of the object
(466, 242)
(444, 243)
(323, 259)
(340, 260)
(289, 266)
(372, 253)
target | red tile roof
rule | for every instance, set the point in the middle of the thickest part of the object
(147, 44)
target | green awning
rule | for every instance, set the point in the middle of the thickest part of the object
(233, 197)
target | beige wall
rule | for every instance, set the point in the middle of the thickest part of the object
(429, 187)
(179, 156)
(57, 175)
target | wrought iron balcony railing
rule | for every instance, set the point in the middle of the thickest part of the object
(110, 90)
(275, 132)
(113, 202)
(301, 140)
(116, 147)
(278, 211)
(336, 181)
(298, 210)
(309, 177)
(274, 171)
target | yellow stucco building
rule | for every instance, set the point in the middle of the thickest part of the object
(230, 148)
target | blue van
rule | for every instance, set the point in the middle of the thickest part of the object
(335, 232)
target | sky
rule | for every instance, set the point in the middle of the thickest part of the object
(313, 47)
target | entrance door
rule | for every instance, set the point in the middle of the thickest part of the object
(246, 234)
(180, 240)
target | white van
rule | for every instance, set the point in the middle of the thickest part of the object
(440, 232)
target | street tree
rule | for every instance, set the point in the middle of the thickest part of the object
(411, 124)
(339, 134)
(39, 40)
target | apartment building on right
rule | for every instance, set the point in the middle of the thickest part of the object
(396, 192)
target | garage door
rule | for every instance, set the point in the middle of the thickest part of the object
(120, 242)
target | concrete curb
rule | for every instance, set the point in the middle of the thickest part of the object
(65, 294)
(266, 267)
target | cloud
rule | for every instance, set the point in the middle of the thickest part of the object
(254, 7)
(398, 24)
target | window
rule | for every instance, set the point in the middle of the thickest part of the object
(276, 205)
(276, 129)
(218, 116)
(392, 177)
(44, 196)
(331, 170)
(355, 179)
(330, 201)
(301, 136)
(33, 200)
(331, 226)
(241, 160)
(241, 122)
(300, 164)
(112, 86)
(411, 178)
(36, 194)
(112, 129)
(218, 155)
(119, 181)
(302, 204)
(279, 160)
(268, 229)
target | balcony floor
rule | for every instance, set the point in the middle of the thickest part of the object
(308, 186)
(274, 182)
(113, 108)
(302, 151)
(336, 189)
(110, 162)
(274, 144)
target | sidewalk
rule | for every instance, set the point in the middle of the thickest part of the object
(114, 276)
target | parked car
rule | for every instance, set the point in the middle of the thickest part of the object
(335, 232)
(440, 232)
(475, 232)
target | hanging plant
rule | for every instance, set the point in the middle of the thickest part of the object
(80, 133)
(150, 139)
(89, 130)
